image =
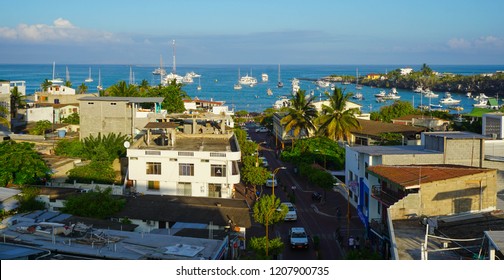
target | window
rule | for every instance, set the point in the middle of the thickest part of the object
(186, 169)
(153, 185)
(184, 188)
(152, 153)
(153, 168)
(113, 103)
(186, 154)
(214, 190)
(366, 165)
(218, 170)
(218, 154)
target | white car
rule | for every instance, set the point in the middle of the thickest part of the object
(264, 161)
(298, 238)
(269, 183)
(261, 129)
(291, 214)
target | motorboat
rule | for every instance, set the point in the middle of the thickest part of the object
(358, 96)
(269, 92)
(430, 94)
(323, 84)
(483, 103)
(192, 74)
(418, 89)
(264, 77)
(448, 100)
(381, 94)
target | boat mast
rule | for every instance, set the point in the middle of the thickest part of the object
(174, 61)
(67, 75)
(53, 69)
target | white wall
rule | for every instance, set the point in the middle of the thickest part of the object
(39, 114)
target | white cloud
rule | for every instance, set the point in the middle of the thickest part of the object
(61, 30)
(484, 42)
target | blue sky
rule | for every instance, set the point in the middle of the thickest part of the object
(253, 32)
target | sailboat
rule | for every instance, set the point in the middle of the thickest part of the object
(99, 87)
(54, 79)
(159, 71)
(357, 86)
(238, 86)
(199, 84)
(67, 75)
(89, 79)
(131, 77)
(280, 84)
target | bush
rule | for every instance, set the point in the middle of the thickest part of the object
(96, 171)
(258, 245)
(28, 200)
(95, 204)
(70, 148)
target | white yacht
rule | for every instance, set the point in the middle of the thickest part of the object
(418, 89)
(358, 96)
(282, 102)
(483, 103)
(187, 79)
(430, 94)
(248, 80)
(193, 74)
(264, 77)
(295, 85)
(381, 94)
(323, 84)
(448, 100)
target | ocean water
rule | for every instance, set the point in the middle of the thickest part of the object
(217, 80)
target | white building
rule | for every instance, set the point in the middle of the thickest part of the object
(406, 71)
(51, 112)
(202, 162)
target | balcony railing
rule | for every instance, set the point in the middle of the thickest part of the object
(384, 197)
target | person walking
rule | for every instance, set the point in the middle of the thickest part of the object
(351, 242)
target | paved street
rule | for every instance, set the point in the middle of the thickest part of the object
(318, 218)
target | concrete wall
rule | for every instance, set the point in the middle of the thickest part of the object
(407, 207)
(459, 195)
(40, 114)
(105, 117)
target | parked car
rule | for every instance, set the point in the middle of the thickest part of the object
(292, 213)
(261, 129)
(298, 238)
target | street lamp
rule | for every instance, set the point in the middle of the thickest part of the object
(257, 153)
(273, 182)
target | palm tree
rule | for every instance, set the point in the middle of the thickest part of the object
(45, 85)
(335, 120)
(82, 88)
(68, 84)
(122, 89)
(300, 115)
(16, 101)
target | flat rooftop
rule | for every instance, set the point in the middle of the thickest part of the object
(393, 150)
(192, 142)
(456, 135)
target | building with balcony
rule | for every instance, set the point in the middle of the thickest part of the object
(186, 157)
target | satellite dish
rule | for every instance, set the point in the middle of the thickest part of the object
(126, 144)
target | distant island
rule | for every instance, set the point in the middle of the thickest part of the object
(492, 84)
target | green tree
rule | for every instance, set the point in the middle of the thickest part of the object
(72, 119)
(17, 101)
(45, 85)
(28, 200)
(122, 89)
(70, 148)
(173, 97)
(144, 86)
(83, 88)
(254, 176)
(20, 164)
(266, 213)
(104, 148)
(300, 115)
(41, 127)
(397, 109)
(96, 204)
(336, 121)
(68, 84)
(258, 245)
